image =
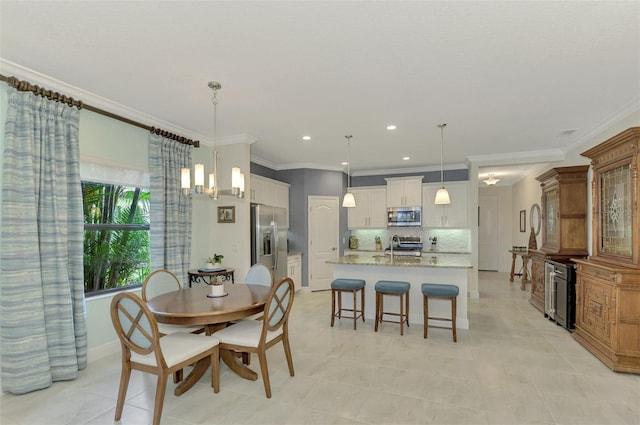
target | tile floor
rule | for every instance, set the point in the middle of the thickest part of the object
(512, 367)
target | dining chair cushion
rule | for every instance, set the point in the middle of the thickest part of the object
(177, 347)
(246, 333)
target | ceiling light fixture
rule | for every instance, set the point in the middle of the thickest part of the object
(349, 201)
(391, 127)
(237, 177)
(442, 195)
(306, 137)
(490, 180)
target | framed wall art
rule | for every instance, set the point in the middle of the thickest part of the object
(226, 214)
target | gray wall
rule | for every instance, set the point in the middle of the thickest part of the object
(427, 177)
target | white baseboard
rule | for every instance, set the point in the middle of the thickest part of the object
(103, 350)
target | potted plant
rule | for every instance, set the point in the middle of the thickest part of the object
(213, 261)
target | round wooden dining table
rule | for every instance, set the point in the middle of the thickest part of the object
(192, 306)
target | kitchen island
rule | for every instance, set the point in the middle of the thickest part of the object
(429, 268)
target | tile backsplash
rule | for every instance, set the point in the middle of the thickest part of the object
(456, 240)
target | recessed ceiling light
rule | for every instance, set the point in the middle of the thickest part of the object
(306, 137)
(405, 158)
(344, 163)
(391, 127)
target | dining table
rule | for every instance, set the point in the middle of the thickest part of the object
(196, 306)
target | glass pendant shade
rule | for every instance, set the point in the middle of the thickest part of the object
(349, 201)
(442, 197)
(186, 179)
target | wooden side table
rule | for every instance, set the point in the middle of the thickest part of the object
(525, 261)
(225, 275)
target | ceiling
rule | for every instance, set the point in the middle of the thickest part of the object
(508, 78)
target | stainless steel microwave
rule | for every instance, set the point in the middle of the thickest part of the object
(404, 217)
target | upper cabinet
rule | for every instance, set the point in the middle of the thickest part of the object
(269, 192)
(564, 210)
(404, 191)
(451, 215)
(370, 210)
(616, 199)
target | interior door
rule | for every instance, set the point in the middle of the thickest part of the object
(323, 240)
(488, 232)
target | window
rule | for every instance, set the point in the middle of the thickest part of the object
(116, 236)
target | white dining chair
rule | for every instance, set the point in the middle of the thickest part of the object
(145, 350)
(252, 336)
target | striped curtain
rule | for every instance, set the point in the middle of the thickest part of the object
(170, 211)
(43, 334)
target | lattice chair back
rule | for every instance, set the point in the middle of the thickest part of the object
(278, 304)
(135, 326)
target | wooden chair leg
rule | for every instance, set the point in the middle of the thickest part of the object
(454, 303)
(262, 356)
(377, 311)
(425, 307)
(355, 316)
(333, 306)
(402, 314)
(125, 374)
(406, 300)
(215, 370)
(362, 302)
(159, 400)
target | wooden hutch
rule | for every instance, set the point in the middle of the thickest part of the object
(608, 283)
(564, 223)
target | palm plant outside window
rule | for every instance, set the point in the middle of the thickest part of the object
(116, 236)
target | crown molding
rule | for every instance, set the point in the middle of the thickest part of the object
(515, 158)
(420, 170)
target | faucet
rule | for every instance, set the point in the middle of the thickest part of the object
(393, 238)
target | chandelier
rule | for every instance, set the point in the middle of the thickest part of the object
(213, 189)
(442, 195)
(349, 201)
(490, 180)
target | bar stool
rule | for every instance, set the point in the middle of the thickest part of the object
(398, 289)
(338, 286)
(441, 291)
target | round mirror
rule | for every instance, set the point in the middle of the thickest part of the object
(534, 216)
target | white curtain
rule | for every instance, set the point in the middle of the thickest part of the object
(170, 211)
(43, 331)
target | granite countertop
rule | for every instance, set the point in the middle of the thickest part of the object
(369, 259)
(424, 253)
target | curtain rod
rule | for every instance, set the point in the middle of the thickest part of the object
(55, 96)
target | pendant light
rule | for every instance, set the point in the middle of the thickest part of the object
(213, 189)
(442, 195)
(349, 201)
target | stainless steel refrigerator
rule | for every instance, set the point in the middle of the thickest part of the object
(269, 238)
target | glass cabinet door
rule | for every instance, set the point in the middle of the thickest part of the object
(615, 211)
(551, 217)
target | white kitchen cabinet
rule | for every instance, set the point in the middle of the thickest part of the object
(404, 191)
(452, 215)
(270, 192)
(294, 269)
(370, 210)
